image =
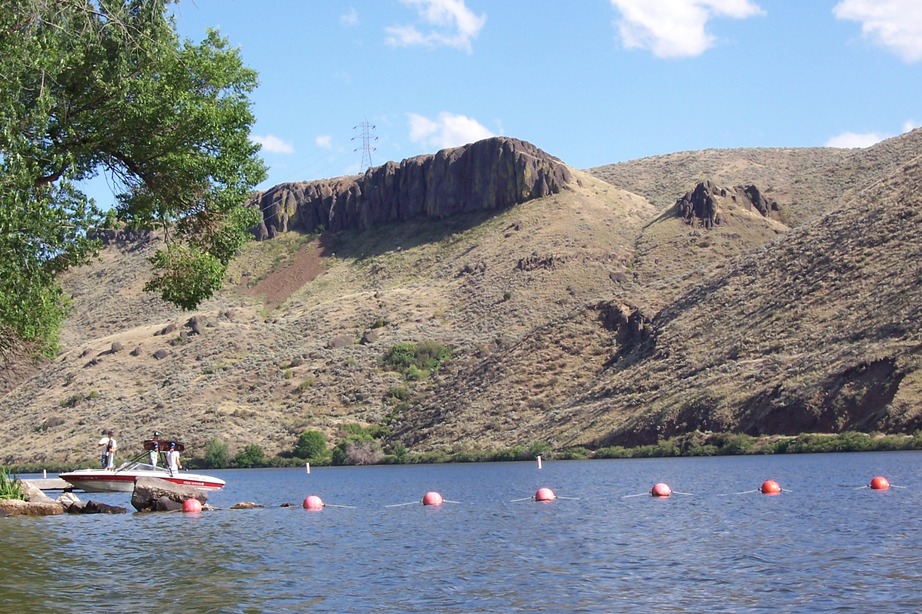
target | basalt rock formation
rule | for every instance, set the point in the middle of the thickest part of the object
(492, 174)
(703, 204)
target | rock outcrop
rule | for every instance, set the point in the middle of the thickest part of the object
(491, 174)
(702, 206)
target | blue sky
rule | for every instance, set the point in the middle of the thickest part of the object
(592, 82)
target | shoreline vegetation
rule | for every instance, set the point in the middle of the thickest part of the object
(362, 446)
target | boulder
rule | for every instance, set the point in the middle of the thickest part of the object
(246, 505)
(339, 341)
(33, 493)
(196, 325)
(72, 504)
(97, 507)
(17, 507)
(158, 495)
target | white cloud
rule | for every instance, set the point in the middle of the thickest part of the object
(351, 18)
(865, 139)
(894, 24)
(447, 130)
(675, 28)
(324, 141)
(850, 140)
(448, 23)
(273, 144)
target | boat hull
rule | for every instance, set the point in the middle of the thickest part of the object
(95, 480)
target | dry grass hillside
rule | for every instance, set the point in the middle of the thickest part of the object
(592, 316)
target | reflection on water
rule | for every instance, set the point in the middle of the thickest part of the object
(823, 544)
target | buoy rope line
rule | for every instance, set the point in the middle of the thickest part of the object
(867, 487)
(532, 498)
(660, 490)
(402, 504)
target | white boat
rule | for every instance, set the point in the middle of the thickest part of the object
(122, 478)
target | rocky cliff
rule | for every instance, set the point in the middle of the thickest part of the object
(492, 174)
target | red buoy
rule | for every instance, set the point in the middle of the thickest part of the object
(192, 506)
(313, 503)
(661, 490)
(432, 498)
(545, 494)
(770, 487)
(879, 483)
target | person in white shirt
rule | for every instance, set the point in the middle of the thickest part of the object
(172, 459)
(155, 449)
(111, 448)
(104, 449)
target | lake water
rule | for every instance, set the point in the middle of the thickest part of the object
(824, 544)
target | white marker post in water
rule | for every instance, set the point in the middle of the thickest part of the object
(539, 461)
(307, 467)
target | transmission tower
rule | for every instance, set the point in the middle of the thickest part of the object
(367, 140)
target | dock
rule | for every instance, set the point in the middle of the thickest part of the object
(51, 483)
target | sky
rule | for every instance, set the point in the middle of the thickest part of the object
(592, 82)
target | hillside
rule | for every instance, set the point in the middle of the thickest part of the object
(594, 315)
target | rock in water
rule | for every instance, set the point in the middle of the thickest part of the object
(157, 495)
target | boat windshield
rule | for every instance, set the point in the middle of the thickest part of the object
(138, 466)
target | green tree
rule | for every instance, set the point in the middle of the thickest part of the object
(251, 456)
(106, 87)
(311, 444)
(216, 455)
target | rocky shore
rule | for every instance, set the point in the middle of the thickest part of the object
(149, 495)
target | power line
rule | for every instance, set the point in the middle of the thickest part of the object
(367, 140)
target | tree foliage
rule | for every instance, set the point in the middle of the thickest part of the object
(216, 454)
(251, 456)
(106, 87)
(311, 444)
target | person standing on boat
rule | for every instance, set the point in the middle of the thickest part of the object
(111, 448)
(155, 449)
(172, 459)
(104, 447)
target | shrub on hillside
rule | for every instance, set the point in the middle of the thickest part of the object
(416, 360)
